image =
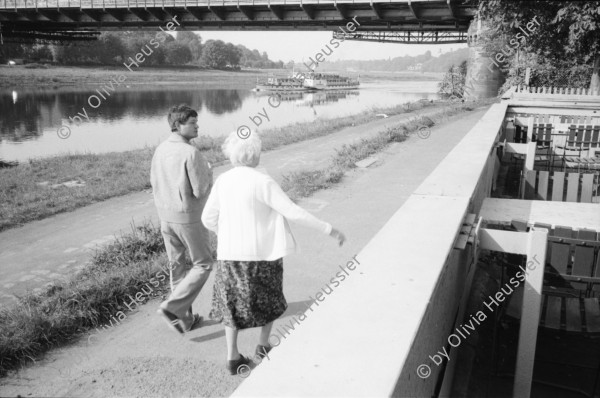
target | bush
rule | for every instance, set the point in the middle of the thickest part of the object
(397, 134)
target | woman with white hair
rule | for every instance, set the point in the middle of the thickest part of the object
(250, 213)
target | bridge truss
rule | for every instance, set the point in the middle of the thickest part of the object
(400, 20)
(406, 37)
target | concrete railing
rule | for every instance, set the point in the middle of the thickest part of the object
(369, 338)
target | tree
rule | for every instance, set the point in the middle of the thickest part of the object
(568, 32)
(215, 54)
(134, 42)
(192, 41)
(453, 82)
(74, 53)
(36, 52)
(234, 55)
(177, 53)
(110, 48)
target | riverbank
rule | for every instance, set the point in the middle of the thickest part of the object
(95, 296)
(45, 75)
(44, 187)
(127, 360)
(20, 76)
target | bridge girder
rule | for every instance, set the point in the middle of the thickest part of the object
(396, 15)
(277, 11)
(405, 37)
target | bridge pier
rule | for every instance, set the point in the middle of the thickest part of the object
(484, 78)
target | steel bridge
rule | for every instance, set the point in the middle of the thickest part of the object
(402, 21)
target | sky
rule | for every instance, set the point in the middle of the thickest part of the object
(300, 46)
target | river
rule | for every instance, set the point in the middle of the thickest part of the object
(135, 116)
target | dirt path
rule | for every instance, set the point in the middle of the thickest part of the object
(142, 358)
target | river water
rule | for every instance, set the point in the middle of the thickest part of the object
(135, 116)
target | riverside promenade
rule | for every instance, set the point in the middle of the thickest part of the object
(142, 358)
(63, 243)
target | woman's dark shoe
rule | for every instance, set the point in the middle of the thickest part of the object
(262, 350)
(239, 366)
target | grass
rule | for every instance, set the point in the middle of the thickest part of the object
(23, 199)
(91, 298)
(300, 184)
(49, 75)
(131, 265)
(41, 321)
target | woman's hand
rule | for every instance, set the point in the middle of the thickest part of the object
(338, 235)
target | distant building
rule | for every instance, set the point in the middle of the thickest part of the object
(416, 67)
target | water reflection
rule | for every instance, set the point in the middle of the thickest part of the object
(135, 116)
(223, 101)
(25, 114)
(311, 98)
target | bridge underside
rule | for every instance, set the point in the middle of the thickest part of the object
(405, 37)
(19, 18)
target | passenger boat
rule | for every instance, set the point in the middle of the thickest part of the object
(287, 84)
(328, 81)
(308, 82)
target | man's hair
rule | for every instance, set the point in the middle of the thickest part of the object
(180, 113)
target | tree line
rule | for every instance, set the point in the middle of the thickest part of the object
(114, 48)
(421, 63)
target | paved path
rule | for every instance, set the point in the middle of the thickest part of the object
(142, 358)
(42, 251)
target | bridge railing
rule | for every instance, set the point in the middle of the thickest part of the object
(20, 4)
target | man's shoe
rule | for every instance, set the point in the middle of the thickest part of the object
(172, 321)
(239, 366)
(195, 323)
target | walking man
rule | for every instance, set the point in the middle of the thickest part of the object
(181, 180)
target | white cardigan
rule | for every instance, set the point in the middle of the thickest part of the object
(249, 212)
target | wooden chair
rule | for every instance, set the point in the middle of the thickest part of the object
(581, 149)
(540, 129)
(545, 185)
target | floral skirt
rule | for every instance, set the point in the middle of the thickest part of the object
(248, 294)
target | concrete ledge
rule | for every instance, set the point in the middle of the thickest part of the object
(403, 299)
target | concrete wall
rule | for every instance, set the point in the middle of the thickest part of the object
(409, 295)
(484, 78)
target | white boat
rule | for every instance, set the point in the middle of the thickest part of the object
(287, 84)
(329, 81)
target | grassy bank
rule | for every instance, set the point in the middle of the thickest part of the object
(120, 277)
(26, 192)
(96, 297)
(54, 76)
(22, 76)
(303, 183)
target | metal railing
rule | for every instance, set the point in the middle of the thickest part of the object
(22, 4)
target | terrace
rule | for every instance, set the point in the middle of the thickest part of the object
(520, 189)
